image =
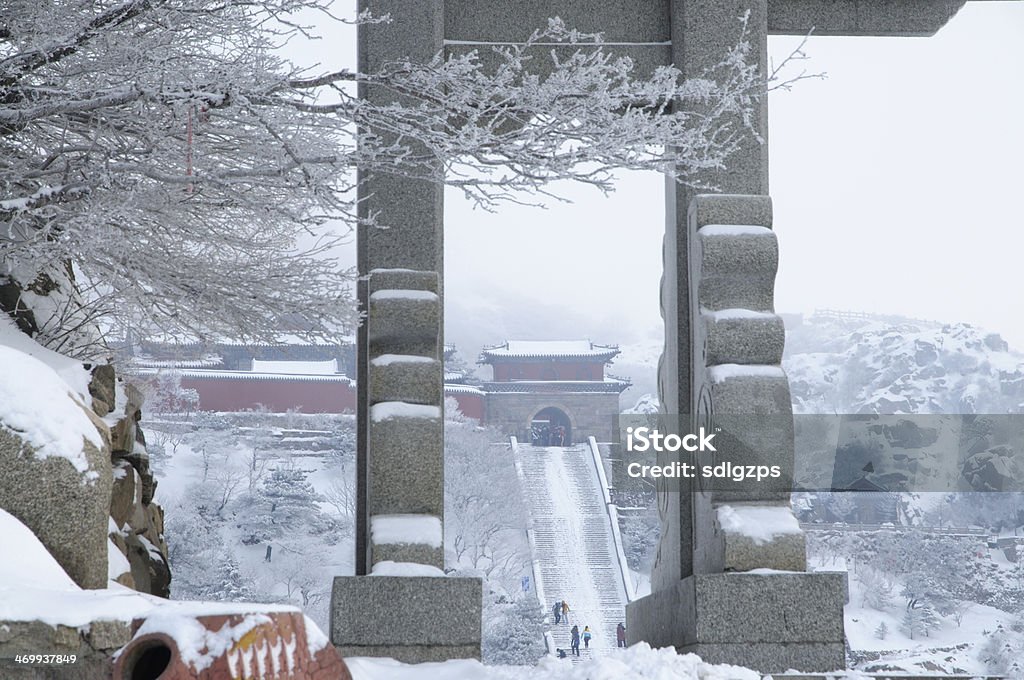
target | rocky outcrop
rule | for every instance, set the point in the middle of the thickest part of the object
(138, 521)
(73, 459)
(885, 365)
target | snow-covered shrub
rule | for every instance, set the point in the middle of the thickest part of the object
(640, 533)
(513, 632)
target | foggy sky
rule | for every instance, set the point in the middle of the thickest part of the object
(895, 182)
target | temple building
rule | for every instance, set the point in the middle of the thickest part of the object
(539, 387)
(544, 392)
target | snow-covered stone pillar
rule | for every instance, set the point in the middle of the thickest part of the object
(401, 604)
(740, 387)
(404, 474)
(723, 346)
(708, 599)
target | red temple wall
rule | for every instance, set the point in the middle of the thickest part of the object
(278, 396)
(471, 404)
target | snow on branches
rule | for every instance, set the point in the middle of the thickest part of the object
(193, 180)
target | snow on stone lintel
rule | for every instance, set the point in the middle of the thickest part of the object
(404, 294)
(388, 359)
(411, 528)
(734, 230)
(759, 523)
(386, 410)
(389, 568)
(723, 372)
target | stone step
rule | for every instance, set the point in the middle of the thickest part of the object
(742, 336)
(409, 279)
(407, 537)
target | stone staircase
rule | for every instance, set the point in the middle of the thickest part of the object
(573, 543)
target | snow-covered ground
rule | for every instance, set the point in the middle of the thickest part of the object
(879, 638)
(639, 662)
(34, 587)
(216, 461)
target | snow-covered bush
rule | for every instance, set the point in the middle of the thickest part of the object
(640, 531)
(513, 632)
(242, 490)
(485, 510)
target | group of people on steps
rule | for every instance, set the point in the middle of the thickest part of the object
(561, 613)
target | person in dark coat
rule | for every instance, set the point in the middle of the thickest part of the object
(620, 635)
(576, 640)
(557, 611)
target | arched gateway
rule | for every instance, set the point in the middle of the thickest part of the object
(551, 426)
(539, 386)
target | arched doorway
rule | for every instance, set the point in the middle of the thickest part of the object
(550, 427)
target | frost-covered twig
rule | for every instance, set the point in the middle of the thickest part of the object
(200, 183)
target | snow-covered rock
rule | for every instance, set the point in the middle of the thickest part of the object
(55, 457)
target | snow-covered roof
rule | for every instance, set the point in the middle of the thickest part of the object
(199, 374)
(281, 340)
(204, 362)
(296, 367)
(548, 349)
(453, 388)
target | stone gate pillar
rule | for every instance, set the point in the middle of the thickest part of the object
(723, 350)
(400, 604)
(405, 608)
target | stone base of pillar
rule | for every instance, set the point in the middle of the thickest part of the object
(770, 622)
(413, 619)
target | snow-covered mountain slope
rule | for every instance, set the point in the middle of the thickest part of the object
(574, 546)
(861, 364)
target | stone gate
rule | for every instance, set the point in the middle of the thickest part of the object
(723, 342)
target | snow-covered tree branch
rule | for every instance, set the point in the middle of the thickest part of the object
(166, 167)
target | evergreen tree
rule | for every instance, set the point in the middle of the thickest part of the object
(284, 505)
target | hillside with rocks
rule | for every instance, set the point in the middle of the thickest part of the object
(851, 363)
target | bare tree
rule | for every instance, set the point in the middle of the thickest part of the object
(163, 166)
(485, 515)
